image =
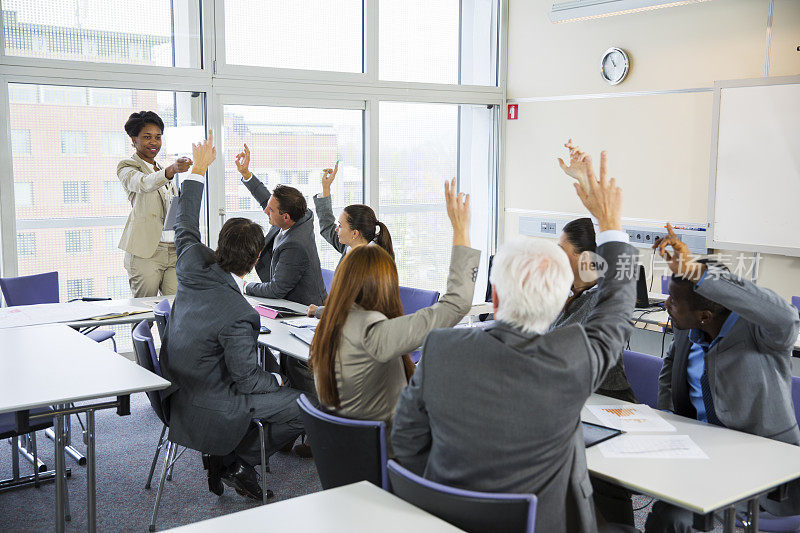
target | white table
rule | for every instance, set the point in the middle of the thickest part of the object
(740, 467)
(54, 365)
(358, 508)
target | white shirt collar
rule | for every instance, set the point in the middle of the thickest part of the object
(239, 282)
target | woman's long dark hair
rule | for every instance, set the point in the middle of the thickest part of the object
(362, 218)
(368, 277)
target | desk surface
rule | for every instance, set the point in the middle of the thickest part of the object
(739, 466)
(51, 364)
(358, 508)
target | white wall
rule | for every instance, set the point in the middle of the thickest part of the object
(658, 144)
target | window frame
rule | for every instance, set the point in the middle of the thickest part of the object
(224, 84)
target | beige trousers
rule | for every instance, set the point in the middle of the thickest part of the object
(149, 276)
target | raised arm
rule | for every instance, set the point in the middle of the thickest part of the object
(608, 325)
(187, 221)
(387, 339)
(253, 184)
(323, 205)
(776, 321)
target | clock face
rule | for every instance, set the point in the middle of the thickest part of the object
(614, 66)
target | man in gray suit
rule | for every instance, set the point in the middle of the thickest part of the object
(289, 266)
(498, 410)
(210, 351)
(729, 363)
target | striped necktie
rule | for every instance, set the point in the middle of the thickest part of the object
(708, 400)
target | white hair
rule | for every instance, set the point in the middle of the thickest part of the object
(532, 279)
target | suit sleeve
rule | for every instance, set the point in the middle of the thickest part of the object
(187, 219)
(327, 222)
(134, 180)
(258, 190)
(411, 429)
(609, 324)
(664, 400)
(241, 358)
(290, 264)
(387, 339)
(776, 321)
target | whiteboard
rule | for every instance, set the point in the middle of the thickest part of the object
(754, 179)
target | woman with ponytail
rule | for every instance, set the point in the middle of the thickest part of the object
(359, 354)
(356, 227)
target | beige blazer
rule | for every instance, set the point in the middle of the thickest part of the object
(149, 200)
(369, 368)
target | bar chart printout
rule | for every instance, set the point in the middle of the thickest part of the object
(630, 418)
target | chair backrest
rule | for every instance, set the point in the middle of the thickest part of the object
(474, 512)
(161, 313)
(415, 299)
(345, 451)
(796, 302)
(665, 284)
(642, 371)
(29, 290)
(327, 279)
(147, 358)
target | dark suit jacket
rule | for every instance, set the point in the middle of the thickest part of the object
(498, 410)
(210, 354)
(291, 271)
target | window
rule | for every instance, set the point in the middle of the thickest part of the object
(23, 193)
(116, 143)
(439, 41)
(78, 241)
(422, 145)
(22, 94)
(76, 192)
(78, 288)
(296, 141)
(299, 34)
(20, 142)
(66, 96)
(26, 244)
(111, 97)
(113, 235)
(246, 203)
(102, 31)
(74, 143)
(118, 287)
(114, 193)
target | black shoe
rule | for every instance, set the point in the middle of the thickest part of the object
(213, 463)
(303, 450)
(244, 480)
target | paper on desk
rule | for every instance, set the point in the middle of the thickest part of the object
(30, 315)
(302, 322)
(630, 418)
(651, 447)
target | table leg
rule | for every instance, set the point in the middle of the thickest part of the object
(729, 522)
(752, 510)
(90, 473)
(71, 450)
(60, 479)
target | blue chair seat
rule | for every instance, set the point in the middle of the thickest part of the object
(100, 335)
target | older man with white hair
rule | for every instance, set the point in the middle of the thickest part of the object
(498, 410)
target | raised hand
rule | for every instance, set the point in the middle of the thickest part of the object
(182, 164)
(458, 212)
(328, 175)
(203, 154)
(602, 198)
(243, 163)
(680, 260)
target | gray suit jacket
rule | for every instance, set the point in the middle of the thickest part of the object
(750, 370)
(291, 271)
(576, 312)
(498, 410)
(210, 352)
